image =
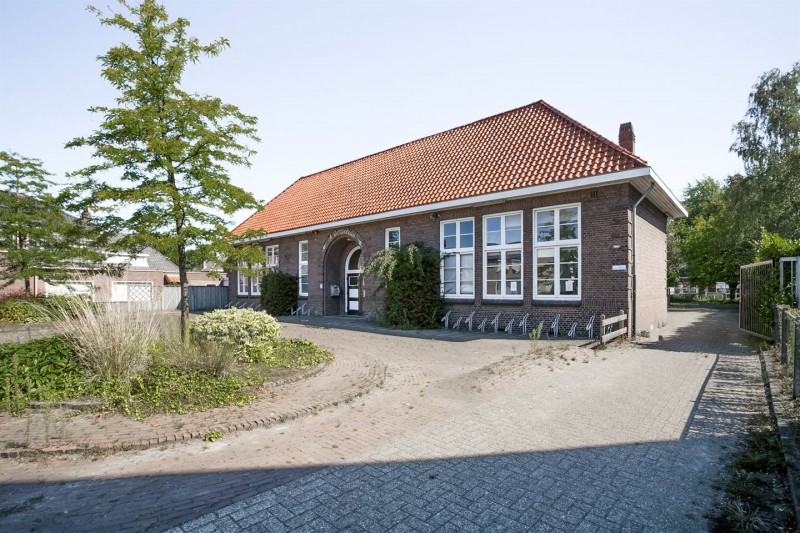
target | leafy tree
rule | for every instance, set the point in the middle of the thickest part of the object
(36, 237)
(768, 141)
(172, 149)
(711, 244)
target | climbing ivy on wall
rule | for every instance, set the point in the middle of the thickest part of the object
(409, 276)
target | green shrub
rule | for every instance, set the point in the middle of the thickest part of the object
(242, 329)
(291, 353)
(166, 389)
(19, 309)
(40, 370)
(195, 354)
(411, 278)
(278, 293)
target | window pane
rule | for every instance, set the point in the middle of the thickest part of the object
(449, 274)
(568, 232)
(466, 241)
(467, 261)
(569, 271)
(467, 227)
(467, 274)
(569, 254)
(569, 287)
(568, 215)
(467, 287)
(493, 233)
(449, 261)
(449, 229)
(514, 265)
(545, 221)
(513, 229)
(449, 242)
(449, 287)
(493, 273)
(545, 288)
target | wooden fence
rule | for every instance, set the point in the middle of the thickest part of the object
(168, 298)
(607, 331)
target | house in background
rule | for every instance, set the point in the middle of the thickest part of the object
(534, 214)
(121, 278)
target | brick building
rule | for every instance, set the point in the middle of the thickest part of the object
(534, 214)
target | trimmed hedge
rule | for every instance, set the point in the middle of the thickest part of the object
(278, 293)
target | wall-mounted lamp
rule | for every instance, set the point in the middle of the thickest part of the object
(435, 216)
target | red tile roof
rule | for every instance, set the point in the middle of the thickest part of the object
(527, 146)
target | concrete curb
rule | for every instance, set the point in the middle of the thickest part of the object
(165, 439)
(790, 451)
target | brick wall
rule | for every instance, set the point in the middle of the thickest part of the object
(605, 242)
(651, 267)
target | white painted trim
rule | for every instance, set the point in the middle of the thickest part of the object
(503, 249)
(300, 264)
(496, 197)
(660, 183)
(556, 244)
(386, 236)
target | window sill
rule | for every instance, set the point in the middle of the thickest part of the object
(542, 302)
(515, 301)
(459, 299)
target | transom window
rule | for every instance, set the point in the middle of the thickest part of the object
(393, 238)
(556, 252)
(458, 257)
(502, 252)
(303, 274)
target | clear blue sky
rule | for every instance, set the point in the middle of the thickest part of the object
(333, 81)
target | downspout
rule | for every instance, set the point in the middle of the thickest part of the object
(633, 263)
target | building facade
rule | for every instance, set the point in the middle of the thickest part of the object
(534, 215)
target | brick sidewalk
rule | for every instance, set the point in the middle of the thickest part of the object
(630, 439)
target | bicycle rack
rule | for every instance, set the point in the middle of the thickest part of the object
(496, 322)
(446, 318)
(457, 323)
(469, 320)
(572, 329)
(590, 327)
(523, 324)
(554, 326)
(482, 326)
(510, 326)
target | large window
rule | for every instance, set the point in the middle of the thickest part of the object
(271, 253)
(458, 258)
(255, 279)
(243, 281)
(502, 256)
(393, 238)
(557, 252)
(303, 274)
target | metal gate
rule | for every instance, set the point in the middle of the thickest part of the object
(756, 287)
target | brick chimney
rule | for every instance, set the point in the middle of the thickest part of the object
(626, 137)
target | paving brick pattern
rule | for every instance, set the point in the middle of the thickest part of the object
(631, 440)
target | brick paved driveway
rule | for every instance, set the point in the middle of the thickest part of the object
(631, 439)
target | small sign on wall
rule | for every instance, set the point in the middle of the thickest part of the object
(623, 268)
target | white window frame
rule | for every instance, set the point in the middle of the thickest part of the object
(301, 263)
(504, 248)
(255, 280)
(242, 282)
(557, 243)
(272, 257)
(388, 243)
(457, 251)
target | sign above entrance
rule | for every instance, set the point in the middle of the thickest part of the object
(342, 233)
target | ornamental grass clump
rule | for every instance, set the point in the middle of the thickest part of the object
(247, 330)
(110, 342)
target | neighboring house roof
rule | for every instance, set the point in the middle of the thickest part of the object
(525, 147)
(156, 262)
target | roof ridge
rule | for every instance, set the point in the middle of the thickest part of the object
(601, 138)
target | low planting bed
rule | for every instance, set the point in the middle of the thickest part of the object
(130, 363)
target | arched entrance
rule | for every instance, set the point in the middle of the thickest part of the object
(352, 282)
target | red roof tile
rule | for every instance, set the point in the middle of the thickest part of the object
(527, 146)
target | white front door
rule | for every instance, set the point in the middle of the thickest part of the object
(352, 283)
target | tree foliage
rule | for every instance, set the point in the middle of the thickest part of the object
(170, 150)
(410, 277)
(768, 142)
(36, 237)
(707, 247)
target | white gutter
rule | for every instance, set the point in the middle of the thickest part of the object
(536, 190)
